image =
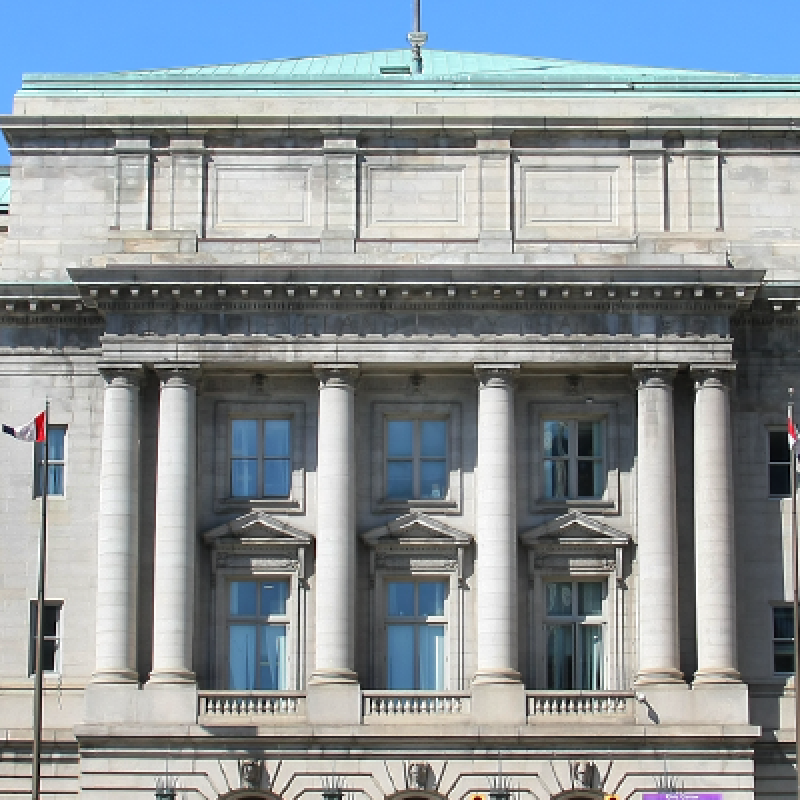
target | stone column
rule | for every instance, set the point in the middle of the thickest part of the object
(173, 589)
(715, 558)
(118, 528)
(336, 534)
(496, 527)
(657, 546)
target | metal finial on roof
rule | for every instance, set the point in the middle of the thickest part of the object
(416, 39)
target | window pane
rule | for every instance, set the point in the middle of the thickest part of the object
(243, 598)
(782, 622)
(783, 659)
(433, 438)
(432, 480)
(55, 482)
(244, 435)
(399, 480)
(586, 479)
(273, 597)
(242, 657)
(401, 599)
(55, 443)
(277, 478)
(401, 434)
(559, 599)
(49, 648)
(272, 668)
(244, 478)
(779, 480)
(590, 442)
(556, 479)
(276, 437)
(556, 438)
(778, 446)
(400, 657)
(590, 598)
(431, 657)
(560, 657)
(50, 620)
(431, 599)
(591, 657)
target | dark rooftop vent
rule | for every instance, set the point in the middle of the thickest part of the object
(399, 69)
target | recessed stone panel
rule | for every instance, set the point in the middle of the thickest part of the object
(257, 196)
(570, 195)
(415, 195)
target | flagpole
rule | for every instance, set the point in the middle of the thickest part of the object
(795, 603)
(37, 691)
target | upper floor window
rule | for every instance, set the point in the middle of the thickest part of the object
(782, 639)
(779, 464)
(258, 626)
(416, 634)
(574, 623)
(51, 641)
(261, 457)
(573, 459)
(56, 461)
(416, 459)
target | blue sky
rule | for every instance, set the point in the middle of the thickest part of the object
(96, 36)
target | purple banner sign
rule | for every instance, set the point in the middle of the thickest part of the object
(681, 796)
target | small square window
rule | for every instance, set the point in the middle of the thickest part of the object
(51, 643)
(779, 464)
(782, 639)
(573, 460)
(261, 458)
(56, 462)
(416, 459)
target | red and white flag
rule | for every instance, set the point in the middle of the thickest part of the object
(793, 435)
(34, 431)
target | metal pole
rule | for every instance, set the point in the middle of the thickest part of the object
(795, 604)
(37, 692)
(415, 16)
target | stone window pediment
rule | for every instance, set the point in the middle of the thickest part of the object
(258, 540)
(416, 530)
(577, 541)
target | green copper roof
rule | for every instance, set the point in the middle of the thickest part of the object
(388, 72)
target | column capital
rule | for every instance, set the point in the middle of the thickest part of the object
(712, 376)
(496, 375)
(336, 375)
(123, 375)
(177, 374)
(654, 376)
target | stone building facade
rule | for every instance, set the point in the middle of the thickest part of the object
(413, 435)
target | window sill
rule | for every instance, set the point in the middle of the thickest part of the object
(444, 506)
(288, 505)
(598, 505)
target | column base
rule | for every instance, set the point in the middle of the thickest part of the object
(321, 677)
(717, 676)
(168, 676)
(648, 677)
(498, 703)
(333, 703)
(110, 676)
(493, 676)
